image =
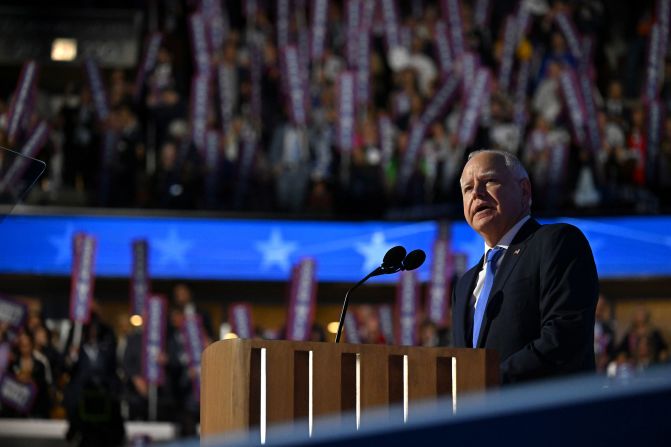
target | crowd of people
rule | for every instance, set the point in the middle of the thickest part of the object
(99, 382)
(143, 154)
(95, 379)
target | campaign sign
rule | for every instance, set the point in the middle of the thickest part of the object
(346, 111)
(240, 318)
(153, 339)
(97, 87)
(318, 31)
(16, 394)
(152, 45)
(407, 295)
(193, 333)
(83, 277)
(139, 283)
(12, 312)
(5, 351)
(29, 150)
(439, 286)
(302, 301)
(385, 314)
(200, 97)
(20, 100)
(352, 329)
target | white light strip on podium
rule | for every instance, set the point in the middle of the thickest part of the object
(262, 416)
(405, 388)
(454, 385)
(358, 390)
(310, 383)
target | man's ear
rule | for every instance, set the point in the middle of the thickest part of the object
(525, 184)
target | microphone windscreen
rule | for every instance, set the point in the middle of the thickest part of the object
(414, 259)
(394, 257)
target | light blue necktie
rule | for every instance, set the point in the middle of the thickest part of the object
(492, 257)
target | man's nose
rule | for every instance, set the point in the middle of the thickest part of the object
(479, 189)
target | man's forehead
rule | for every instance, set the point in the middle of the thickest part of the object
(483, 165)
(481, 172)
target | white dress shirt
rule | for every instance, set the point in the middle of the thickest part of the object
(503, 243)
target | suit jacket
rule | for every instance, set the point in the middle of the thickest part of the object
(540, 313)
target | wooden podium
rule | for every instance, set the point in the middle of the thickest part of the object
(250, 383)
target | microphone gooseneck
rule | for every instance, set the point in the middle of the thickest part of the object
(394, 261)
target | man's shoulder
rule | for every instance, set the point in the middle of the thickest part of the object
(561, 235)
(560, 230)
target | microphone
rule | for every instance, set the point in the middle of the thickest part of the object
(394, 261)
(414, 259)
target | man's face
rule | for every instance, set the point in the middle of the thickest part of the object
(494, 200)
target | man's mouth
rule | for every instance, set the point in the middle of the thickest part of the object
(481, 208)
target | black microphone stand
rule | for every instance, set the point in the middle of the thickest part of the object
(343, 312)
(392, 263)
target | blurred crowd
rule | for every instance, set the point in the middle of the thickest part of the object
(95, 379)
(98, 382)
(143, 154)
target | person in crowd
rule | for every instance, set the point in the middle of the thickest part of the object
(183, 300)
(428, 334)
(317, 333)
(615, 105)
(31, 369)
(638, 147)
(643, 340)
(173, 184)
(90, 359)
(45, 348)
(370, 330)
(546, 99)
(290, 157)
(604, 334)
(81, 140)
(366, 181)
(450, 160)
(136, 388)
(127, 170)
(181, 376)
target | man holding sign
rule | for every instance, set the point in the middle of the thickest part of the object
(532, 296)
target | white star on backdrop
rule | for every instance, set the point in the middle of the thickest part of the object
(171, 249)
(275, 251)
(373, 251)
(63, 245)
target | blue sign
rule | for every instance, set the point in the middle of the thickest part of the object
(265, 250)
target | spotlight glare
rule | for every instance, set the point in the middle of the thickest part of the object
(63, 49)
(136, 320)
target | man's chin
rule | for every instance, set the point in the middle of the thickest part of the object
(484, 219)
(484, 224)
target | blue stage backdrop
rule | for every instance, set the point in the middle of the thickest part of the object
(266, 249)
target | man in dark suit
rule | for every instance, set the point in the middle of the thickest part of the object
(532, 296)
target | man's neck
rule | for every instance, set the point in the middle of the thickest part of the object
(506, 239)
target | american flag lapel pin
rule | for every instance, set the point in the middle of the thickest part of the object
(516, 252)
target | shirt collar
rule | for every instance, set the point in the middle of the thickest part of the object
(510, 235)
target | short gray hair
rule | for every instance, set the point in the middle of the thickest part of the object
(513, 163)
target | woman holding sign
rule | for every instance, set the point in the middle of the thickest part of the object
(28, 370)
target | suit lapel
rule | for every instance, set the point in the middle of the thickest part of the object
(513, 254)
